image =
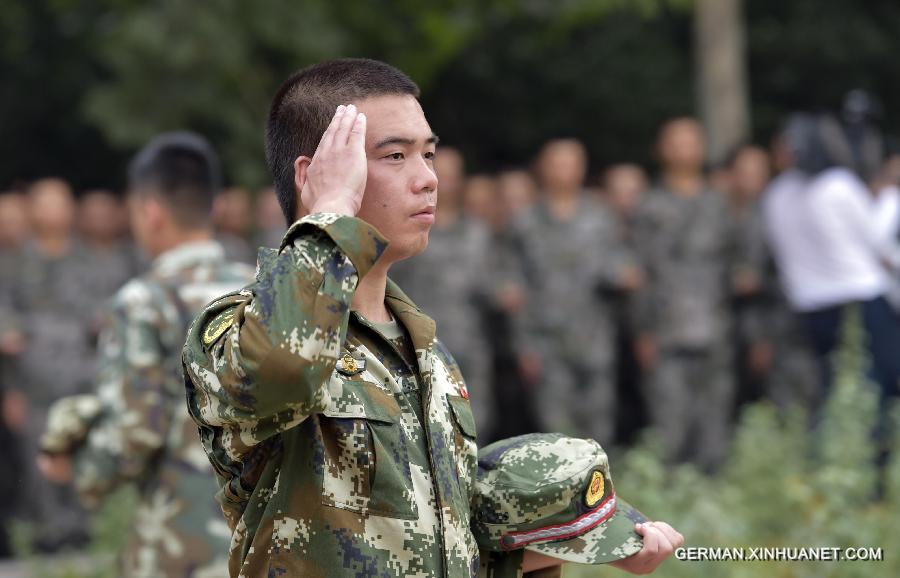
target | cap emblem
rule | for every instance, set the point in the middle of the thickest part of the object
(595, 490)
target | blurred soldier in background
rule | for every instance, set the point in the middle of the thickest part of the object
(749, 172)
(136, 427)
(518, 189)
(45, 331)
(110, 260)
(270, 227)
(450, 281)
(14, 226)
(624, 186)
(685, 239)
(233, 218)
(14, 230)
(484, 200)
(572, 258)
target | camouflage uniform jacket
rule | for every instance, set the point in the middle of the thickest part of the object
(569, 264)
(326, 467)
(143, 433)
(690, 252)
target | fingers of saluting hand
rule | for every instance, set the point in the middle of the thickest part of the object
(357, 136)
(348, 120)
(328, 135)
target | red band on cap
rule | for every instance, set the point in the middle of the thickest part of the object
(576, 527)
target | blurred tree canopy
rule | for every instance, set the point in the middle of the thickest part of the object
(86, 82)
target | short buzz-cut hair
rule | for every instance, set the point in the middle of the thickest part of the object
(183, 170)
(305, 104)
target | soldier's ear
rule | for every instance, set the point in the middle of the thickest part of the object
(156, 213)
(301, 166)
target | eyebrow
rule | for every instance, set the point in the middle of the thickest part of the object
(393, 140)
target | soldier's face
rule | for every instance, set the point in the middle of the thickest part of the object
(563, 165)
(52, 207)
(401, 186)
(682, 145)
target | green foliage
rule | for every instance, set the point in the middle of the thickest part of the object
(86, 82)
(214, 66)
(783, 485)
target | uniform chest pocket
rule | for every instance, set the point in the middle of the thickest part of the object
(466, 448)
(366, 467)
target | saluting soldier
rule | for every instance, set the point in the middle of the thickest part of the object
(339, 426)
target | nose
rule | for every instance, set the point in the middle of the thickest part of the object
(425, 179)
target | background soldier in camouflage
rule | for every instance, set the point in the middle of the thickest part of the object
(450, 281)
(574, 260)
(111, 260)
(624, 187)
(686, 242)
(136, 427)
(45, 327)
(339, 426)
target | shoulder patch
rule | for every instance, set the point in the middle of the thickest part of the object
(218, 325)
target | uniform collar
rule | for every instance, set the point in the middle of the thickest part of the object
(421, 328)
(188, 255)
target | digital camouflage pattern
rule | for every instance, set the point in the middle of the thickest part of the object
(571, 266)
(690, 252)
(552, 494)
(325, 465)
(457, 301)
(136, 428)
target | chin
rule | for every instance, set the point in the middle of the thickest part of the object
(411, 246)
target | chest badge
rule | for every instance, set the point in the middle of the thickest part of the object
(351, 364)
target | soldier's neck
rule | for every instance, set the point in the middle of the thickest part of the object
(368, 299)
(173, 238)
(54, 245)
(564, 206)
(685, 183)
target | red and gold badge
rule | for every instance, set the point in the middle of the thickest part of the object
(595, 490)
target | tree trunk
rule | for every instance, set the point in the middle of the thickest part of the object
(721, 65)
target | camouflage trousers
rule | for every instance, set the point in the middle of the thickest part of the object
(690, 401)
(577, 399)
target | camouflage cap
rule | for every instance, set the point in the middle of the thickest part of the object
(552, 494)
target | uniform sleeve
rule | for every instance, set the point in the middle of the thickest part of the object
(135, 391)
(611, 259)
(751, 258)
(257, 363)
(528, 332)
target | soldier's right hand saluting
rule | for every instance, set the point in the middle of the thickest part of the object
(334, 180)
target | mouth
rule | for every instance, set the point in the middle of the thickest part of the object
(425, 215)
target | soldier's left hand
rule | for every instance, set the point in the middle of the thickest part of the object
(660, 541)
(55, 467)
